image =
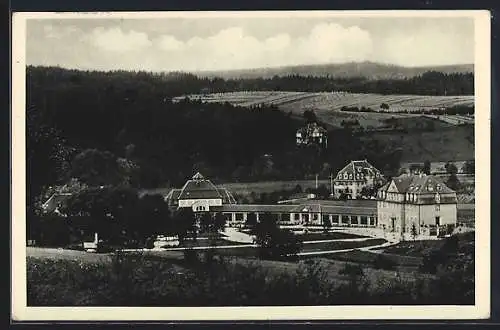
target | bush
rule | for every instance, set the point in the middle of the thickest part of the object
(191, 256)
(384, 262)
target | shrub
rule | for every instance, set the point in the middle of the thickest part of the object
(384, 262)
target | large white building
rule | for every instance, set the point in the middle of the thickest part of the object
(419, 201)
(354, 177)
(199, 194)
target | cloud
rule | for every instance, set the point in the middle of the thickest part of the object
(116, 40)
(170, 43)
(239, 46)
(233, 48)
(427, 47)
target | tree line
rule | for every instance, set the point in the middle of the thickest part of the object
(384, 108)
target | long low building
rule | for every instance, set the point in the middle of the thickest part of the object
(202, 196)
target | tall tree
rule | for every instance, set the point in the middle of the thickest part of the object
(427, 167)
(185, 223)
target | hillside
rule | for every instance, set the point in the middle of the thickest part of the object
(441, 144)
(367, 70)
(297, 102)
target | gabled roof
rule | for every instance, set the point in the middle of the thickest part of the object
(357, 167)
(199, 188)
(421, 184)
(421, 189)
(55, 201)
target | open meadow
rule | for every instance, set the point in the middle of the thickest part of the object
(300, 101)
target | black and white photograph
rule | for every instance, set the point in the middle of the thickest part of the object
(268, 165)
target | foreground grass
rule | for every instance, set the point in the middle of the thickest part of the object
(332, 246)
(208, 280)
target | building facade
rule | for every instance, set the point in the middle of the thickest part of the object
(416, 204)
(201, 195)
(312, 133)
(355, 176)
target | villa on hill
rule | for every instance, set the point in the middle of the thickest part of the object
(312, 133)
(416, 203)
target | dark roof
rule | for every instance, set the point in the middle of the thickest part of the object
(422, 189)
(55, 201)
(199, 188)
(286, 208)
(420, 184)
(402, 183)
(350, 202)
(357, 167)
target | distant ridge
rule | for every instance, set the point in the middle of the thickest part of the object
(367, 70)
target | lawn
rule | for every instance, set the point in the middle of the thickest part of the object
(420, 248)
(207, 242)
(366, 258)
(326, 236)
(331, 246)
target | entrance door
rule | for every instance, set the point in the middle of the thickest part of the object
(393, 224)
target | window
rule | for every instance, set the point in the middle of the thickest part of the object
(239, 216)
(345, 176)
(315, 216)
(350, 176)
(296, 216)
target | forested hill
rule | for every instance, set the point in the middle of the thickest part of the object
(368, 70)
(120, 128)
(172, 84)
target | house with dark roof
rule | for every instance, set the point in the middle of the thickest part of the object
(200, 194)
(416, 201)
(312, 133)
(354, 177)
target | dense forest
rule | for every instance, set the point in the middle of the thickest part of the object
(179, 83)
(112, 128)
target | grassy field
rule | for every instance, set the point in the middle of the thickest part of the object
(174, 261)
(419, 248)
(326, 236)
(331, 246)
(300, 101)
(453, 143)
(368, 259)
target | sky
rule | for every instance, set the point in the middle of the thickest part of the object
(226, 43)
